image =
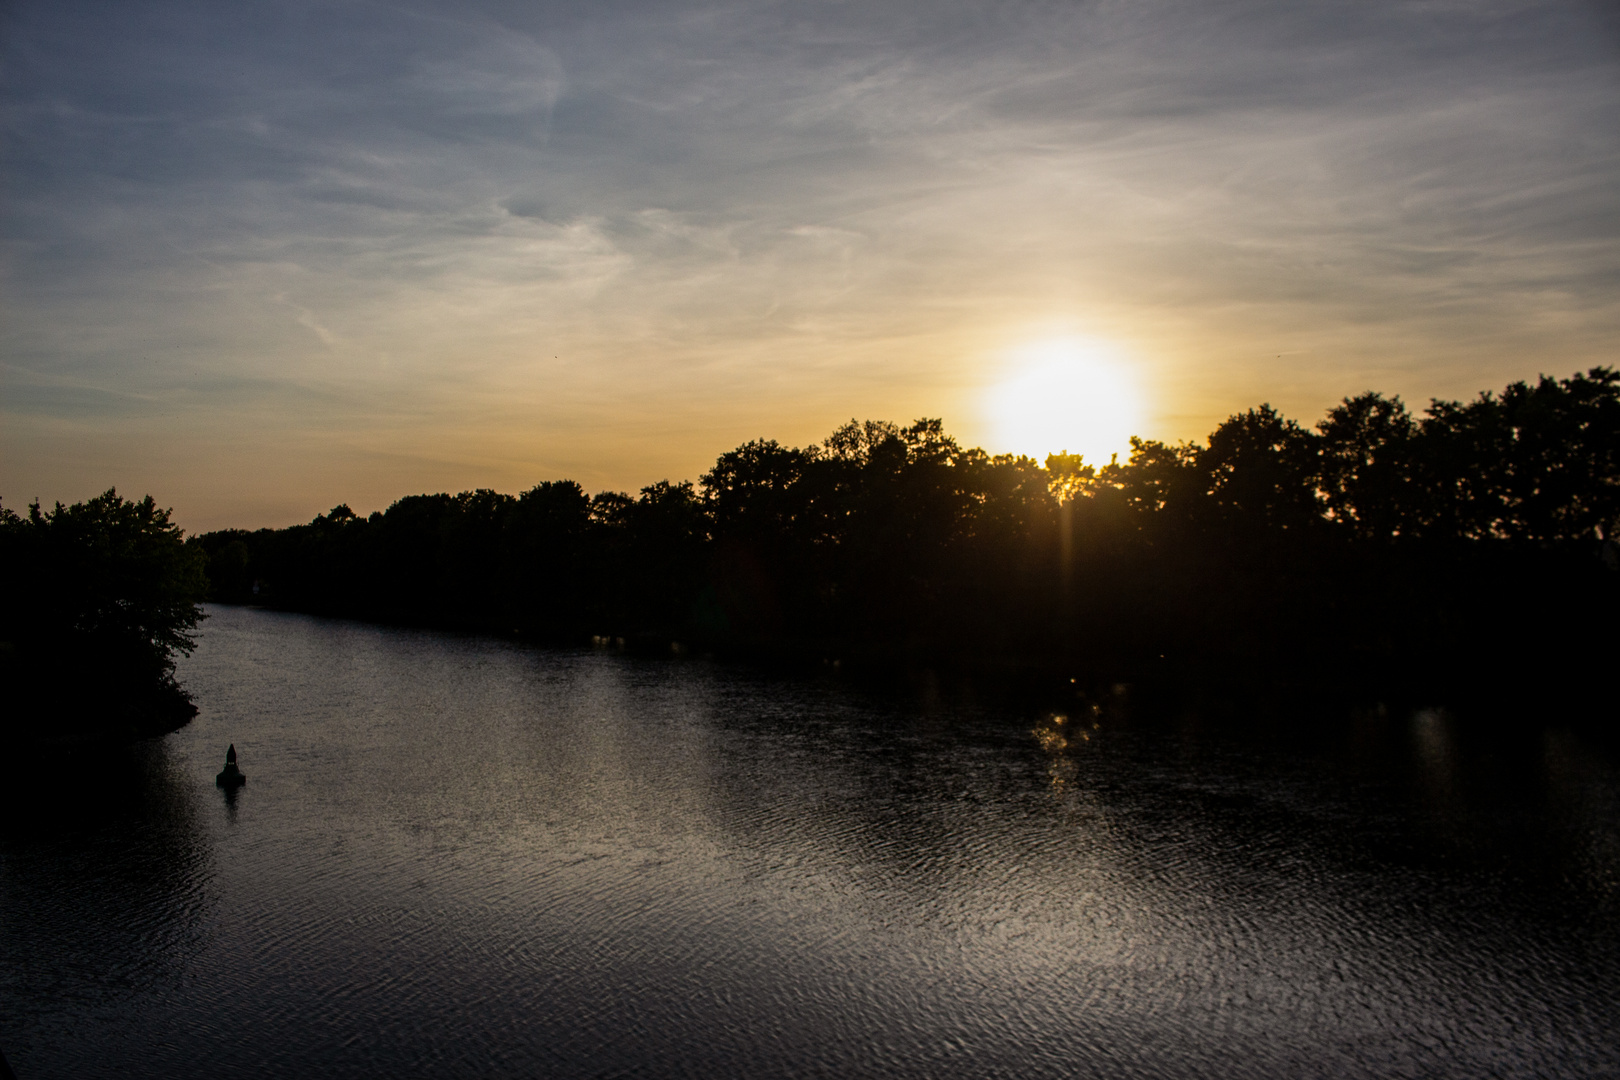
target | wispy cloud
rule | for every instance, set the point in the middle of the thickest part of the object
(524, 239)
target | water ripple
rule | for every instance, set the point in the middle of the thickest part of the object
(460, 856)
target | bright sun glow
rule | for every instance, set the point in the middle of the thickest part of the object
(1070, 395)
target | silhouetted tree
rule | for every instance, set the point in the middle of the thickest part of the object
(100, 597)
(1540, 463)
(1367, 456)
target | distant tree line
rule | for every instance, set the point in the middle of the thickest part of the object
(1476, 539)
(99, 598)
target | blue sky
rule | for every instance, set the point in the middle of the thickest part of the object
(260, 259)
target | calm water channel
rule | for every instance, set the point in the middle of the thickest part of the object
(469, 857)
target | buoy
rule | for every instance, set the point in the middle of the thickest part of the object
(230, 776)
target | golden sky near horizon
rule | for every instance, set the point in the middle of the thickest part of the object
(259, 262)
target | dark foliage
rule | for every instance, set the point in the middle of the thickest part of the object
(100, 596)
(1378, 547)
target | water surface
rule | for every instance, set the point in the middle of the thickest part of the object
(470, 857)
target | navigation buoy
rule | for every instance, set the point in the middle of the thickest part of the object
(230, 776)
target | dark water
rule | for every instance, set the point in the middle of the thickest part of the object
(465, 857)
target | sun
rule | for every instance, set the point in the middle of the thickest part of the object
(1071, 394)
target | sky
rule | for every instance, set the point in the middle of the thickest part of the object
(259, 259)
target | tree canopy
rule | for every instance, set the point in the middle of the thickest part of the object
(101, 596)
(1473, 534)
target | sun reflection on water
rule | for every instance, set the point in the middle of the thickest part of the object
(1055, 734)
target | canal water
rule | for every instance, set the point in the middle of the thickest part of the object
(461, 856)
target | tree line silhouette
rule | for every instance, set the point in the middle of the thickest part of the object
(1471, 546)
(1476, 540)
